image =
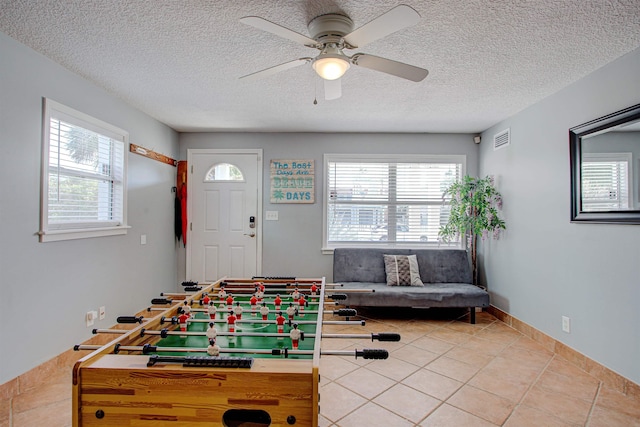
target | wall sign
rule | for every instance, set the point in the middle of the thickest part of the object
(292, 181)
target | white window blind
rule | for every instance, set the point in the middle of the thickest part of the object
(84, 171)
(605, 181)
(387, 200)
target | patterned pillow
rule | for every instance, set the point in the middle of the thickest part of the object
(402, 270)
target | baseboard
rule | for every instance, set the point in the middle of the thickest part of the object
(604, 374)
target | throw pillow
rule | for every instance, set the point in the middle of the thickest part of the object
(402, 270)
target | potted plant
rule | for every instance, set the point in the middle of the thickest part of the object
(474, 206)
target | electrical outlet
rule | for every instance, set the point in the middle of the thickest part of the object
(102, 312)
(90, 317)
(566, 324)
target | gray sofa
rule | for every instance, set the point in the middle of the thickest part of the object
(446, 275)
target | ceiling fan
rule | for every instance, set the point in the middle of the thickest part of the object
(333, 33)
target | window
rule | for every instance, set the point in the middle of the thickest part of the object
(387, 200)
(83, 176)
(606, 181)
(224, 172)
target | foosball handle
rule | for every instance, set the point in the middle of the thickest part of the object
(338, 297)
(189, 283)
(129, 319)
(347, 312)
(148, 348)
(385, 336)
(192, 288)
(160, 301)
(280, 352)
(372, 353)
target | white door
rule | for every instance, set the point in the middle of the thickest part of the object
(224, 206)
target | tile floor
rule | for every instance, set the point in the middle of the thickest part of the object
(444, 372)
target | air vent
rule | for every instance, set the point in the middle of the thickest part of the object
(502, 139)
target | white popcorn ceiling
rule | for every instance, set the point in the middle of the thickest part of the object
(179, 61)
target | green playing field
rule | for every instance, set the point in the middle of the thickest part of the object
(245, 342)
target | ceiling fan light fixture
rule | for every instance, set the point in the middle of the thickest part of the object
(330, 67)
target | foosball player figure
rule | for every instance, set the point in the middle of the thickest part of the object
(213, 349)
(259, 294)
(182, 320)
(291, 311)
(295, 294)
(295, 334)
(211, 310)
(264, 311)
(254, 304)
(222, 294)
(277, 302)
(314, 289)
(237, 310)
(280, 321)
(186, 308)
(230, 302)
(301, 304)
(212, 332)
(231, 321)
(205, 300)
(260, 285)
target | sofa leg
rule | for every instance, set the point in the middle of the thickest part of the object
(472, 315)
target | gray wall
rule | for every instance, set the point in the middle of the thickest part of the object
(46, 288)
(546, 267)
(293, 244)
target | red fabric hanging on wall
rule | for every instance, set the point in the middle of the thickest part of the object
(181, 185)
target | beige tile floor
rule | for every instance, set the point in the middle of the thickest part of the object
(443, 372)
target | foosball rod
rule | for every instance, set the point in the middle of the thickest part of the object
(238, 289)
(272, 322)
(381, 336)
(164, 301)
(147, 349)
(204, 310)
(219, 303)
(257, 312)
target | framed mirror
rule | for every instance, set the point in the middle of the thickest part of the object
(605, 169)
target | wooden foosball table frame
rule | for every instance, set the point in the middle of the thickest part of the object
(112, 389)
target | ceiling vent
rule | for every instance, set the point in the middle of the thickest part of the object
(502, 139)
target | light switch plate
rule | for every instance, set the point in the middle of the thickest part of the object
(271, 215)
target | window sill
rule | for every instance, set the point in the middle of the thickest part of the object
(83, 233)
(328, 250)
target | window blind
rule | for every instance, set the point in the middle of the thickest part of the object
(605, 181)
(84, 174)
(377, 201)
(85, 177)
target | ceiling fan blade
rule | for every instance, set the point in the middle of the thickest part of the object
(399, 69)
(276, 69)
(332, 89)
(399, 17)
(270, 27)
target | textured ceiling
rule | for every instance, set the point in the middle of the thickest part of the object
(179, 61)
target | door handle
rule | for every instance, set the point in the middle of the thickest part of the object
(252, 234)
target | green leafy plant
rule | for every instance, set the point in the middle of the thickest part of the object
(474, 206)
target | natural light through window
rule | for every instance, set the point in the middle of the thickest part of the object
(224, 172)
(387, 200)
(84, 168)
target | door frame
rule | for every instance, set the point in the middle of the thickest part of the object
(259, 222)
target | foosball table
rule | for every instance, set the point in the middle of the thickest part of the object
(237, 352)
